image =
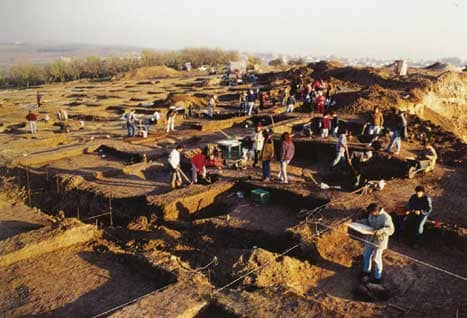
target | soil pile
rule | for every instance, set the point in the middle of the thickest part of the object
(183, 100)
(152, 72)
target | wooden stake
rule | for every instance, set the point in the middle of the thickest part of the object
(110, 210)
(77, 212)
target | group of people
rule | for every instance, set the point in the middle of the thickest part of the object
(140, 126)
(410, 222)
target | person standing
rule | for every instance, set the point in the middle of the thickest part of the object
(403, 123)
(174, 164)
(383, 227)
(154, 119)
(342, 149)
(320, 103)
(171, 114)
(377, 122)
(131, 123)
(251, 98)
(419, 209)
(258, 142)
(32, 120)
(211, 105)
(286, 155)
(396, 135)
(267, 154)
(291, 101)
(335, 123)
(38, 99)
(325, 126)
(198, 166)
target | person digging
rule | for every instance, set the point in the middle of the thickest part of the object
(176, 172)
(381, 223)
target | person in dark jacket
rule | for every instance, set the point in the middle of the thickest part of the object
(419, 209)
(286, 154)
(335, 124)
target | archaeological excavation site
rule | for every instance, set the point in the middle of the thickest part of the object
(92, 224)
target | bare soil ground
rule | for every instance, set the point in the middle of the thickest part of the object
(210, 250)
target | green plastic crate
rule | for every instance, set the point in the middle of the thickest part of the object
(261, 196)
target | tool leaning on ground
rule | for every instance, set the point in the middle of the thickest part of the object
(184, 176)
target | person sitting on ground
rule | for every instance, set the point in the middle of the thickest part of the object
(377, 122)
(258, 142)
(267, 154)
(325, 124)
(46, 118)
(171, 114)
(429, 154)
(381, 222)
(198, 166)
(32, 118)
(419, 209)
(215, 161)
(291, 101)
(342, 149)
(174, 164)
(335, 124)
(286, 154)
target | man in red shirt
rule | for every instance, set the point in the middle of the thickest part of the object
(32, 118)
(325, 126)
(320, 102)
(198, 165)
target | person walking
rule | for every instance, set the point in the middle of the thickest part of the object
(258, 142)
(342, 149)
(286, 154)
(267, 154)
(171, 114)
(32, 120)
(383, 227)
(291, 101)
(174, 164)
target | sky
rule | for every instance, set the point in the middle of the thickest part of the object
(422, 29)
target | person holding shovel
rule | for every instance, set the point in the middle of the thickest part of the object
(174, 164)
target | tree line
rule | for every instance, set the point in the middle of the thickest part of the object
(95, 67)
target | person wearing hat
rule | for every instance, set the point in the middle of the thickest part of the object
(171, 114)
(258, 142)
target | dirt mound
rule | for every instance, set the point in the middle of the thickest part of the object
(152, 72)
(286, 271)
(182, 100)
(443, 67)
(366, 99)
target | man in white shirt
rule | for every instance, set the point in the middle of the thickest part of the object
(174, 164)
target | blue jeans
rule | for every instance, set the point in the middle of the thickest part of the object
(131, 129)
(370, 254)
(266, 165)
(339, 157)
(395, 140)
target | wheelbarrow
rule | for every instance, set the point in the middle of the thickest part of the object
(415, 166)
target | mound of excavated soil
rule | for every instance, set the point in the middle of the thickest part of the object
(152, 72)
(183, 100)
(443, 67)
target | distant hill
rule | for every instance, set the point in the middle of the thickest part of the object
(14, 53)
